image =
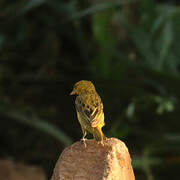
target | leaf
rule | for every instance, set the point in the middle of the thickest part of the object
(158, 23)
(31, 4)
(142, 42)
(172, 138)
(63, 8)
(98, 8)
(102, 31)
(41, 125)
(130, 110)
(167, 38)
(144, 161)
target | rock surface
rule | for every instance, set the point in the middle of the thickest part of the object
(94, 161)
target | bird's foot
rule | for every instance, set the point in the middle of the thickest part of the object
(83, 140)
(102, 141)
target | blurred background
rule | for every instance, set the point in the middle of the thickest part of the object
(128, 49)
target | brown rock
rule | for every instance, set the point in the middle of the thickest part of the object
(10, 170)
(107, 161)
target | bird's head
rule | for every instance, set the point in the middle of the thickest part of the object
(82, 86)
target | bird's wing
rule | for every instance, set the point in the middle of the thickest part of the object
(90, 107)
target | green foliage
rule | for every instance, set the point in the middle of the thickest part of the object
(130, 49)
(26, 116)
(103, 36)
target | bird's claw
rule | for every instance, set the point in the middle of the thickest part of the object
(84, 141)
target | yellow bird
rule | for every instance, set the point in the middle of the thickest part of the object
(89, 108)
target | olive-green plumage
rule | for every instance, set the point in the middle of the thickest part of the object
(89, 109)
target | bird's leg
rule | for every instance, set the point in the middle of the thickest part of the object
(101, 142)
(99, 136)
(84, 135)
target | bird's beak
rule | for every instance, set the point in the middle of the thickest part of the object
(72, 93)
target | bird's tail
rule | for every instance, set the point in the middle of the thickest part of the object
(98, 134)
